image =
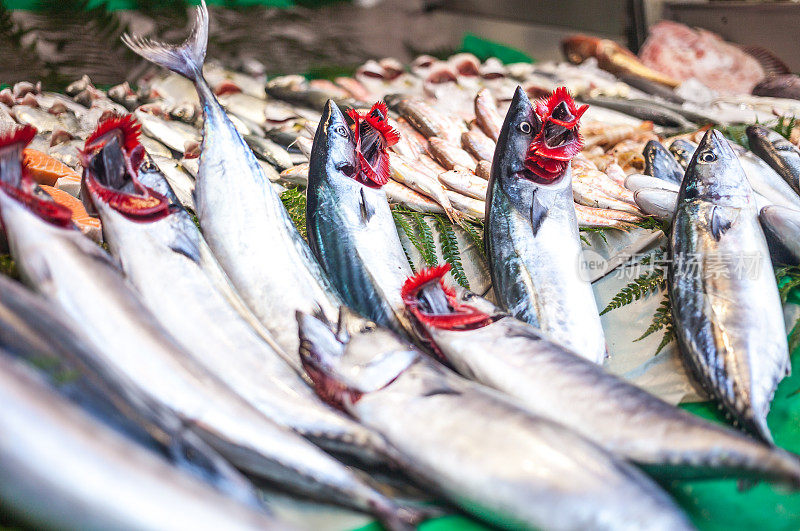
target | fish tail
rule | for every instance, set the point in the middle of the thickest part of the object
(185, 59)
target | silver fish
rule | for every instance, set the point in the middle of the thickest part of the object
(533, 245)
(172, 268)
(242, 217)
(728, 320)
(513, 357)
(351, 228)
(75, 274)
(63, 469)
(485, 454)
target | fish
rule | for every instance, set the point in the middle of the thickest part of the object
(644, 110)
(782, 155)
(483, 169)
(177, 136)
(767, 183)
(57, 446)
(420, 179)
(612, 57)
(174, 271)
(478, 145)
(449, 156)
(464, 183)
(398, 193)
(487, 455)
(590, 196)
(779, 86)
(532, 240)
(33, 330)
(781, 227)
(486, 114)
(242, 218)
(180, 182)
(635, 182)
(604, 217)
(299, 91)
(600, 181)
(350, 227)
(485, 345)
(269, 151)
(78, 277)
(728, 320)
(683, 150)
(661, 164)
(426, 119)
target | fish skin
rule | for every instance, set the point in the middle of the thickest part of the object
(550, 381)
(172, 268)
(534, 260)
(539, 474)
(661, 164)
(782, 155)
(241, 216)
(603, 217)
(465, 183)
(683, 151)
(644, 110)
(767, 183)
(486, 115)
(269, 151)
(729, 327)
(782, 229)
(34, 330)
(449, 156)
(419, 179)
(351, 229)
(478, 145)
(175, 135)
(635, 182)
(121, 485)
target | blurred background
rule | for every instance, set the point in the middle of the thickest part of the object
(57, 41)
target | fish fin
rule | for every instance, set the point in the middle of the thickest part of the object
(721, 221)
(539, 208)
(185, 245)
(185, 59)
(367, 210)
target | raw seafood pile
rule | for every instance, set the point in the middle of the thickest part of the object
(226, 347)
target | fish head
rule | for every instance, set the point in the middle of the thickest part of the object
(436, 305)
(683, 150)
(352, 358)
(112, 157)
(334, 144)
(579, 48)
(715, 175)
(520, 127)
(373, 138)
(17, 184)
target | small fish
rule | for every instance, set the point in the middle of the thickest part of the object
(728, 320)
(449, 156)
(496, 350)
(591, 217)
(644, 110)
(426, 119)
(486, 114)
(537, 475)
(175, 135)
(590, 196)
(269, 151)
(478, 145)
(421, 180)
(465, 183)
(767, 183)
(782, 155)
(661, 164)
(635, 182)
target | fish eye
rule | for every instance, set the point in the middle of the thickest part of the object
(341, 130)
(707, 156)
(525, 127)
(147, 166)
(369, 327)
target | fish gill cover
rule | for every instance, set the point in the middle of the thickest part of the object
(373, 136)
(558, 139)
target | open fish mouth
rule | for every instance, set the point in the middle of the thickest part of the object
(436, 305)
(20, 186)
(373, 137)
(558, 139)
(112, 156)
